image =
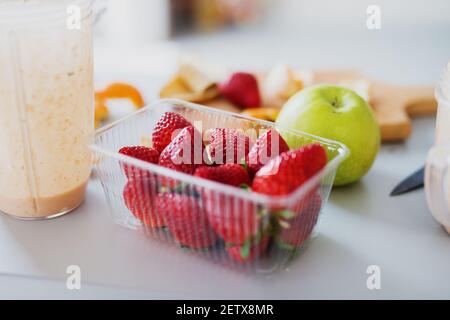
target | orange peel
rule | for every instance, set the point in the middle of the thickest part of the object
(120, 90)
(101, 111)
(116, 90)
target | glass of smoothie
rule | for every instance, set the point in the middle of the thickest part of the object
(46, 106)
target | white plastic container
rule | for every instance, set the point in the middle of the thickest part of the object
(241, 205)
(46, 106)
(437, 178)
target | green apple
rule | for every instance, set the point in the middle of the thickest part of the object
(338, 114)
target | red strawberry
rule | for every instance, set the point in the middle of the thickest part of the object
(242, 89)
(250, 251)
(185, 152)
(186, 220)
(285, 173)
(142, 153)
(230, 173)
(268, 146)
(295, 231)
(234, 219)
(228, 146)
(314, 159)
(139, 196)
(165, 127)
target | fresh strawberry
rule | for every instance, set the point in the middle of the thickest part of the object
(139, 196)
(228, 146)
(185, 152)
(142, 153)
(230, 173)
(285, 173)
(268, 146)
(249, 251)
(165, 127)
(314, 158)
(186, 220)
(242, 89)
(296, 230)
(234, 219)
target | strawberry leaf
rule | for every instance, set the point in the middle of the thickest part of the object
(286, 246)
(244, 164)
(180, 187)
(245, 249)
(245, 186)
(286, 214)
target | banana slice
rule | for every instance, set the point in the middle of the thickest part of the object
(196, 81)
(197, 74)
(281, 83)
(179, 89)
(360, 86)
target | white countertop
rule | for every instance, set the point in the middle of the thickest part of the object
(362, 225)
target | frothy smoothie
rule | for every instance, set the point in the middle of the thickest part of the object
(46, 118)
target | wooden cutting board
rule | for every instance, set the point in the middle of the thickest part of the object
(393, 105)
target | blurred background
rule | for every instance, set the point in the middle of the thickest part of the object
(145, 38)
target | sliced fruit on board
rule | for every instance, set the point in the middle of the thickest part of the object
(241, 89)
(393, 105)
(178, 88)
(268, 114)
(119, 90)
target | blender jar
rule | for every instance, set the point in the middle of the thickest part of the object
(437, 178)
(46, 106)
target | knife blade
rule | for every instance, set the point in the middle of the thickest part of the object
(413, 182)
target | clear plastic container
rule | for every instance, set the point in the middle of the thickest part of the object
(214, 203)
(46, 106)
